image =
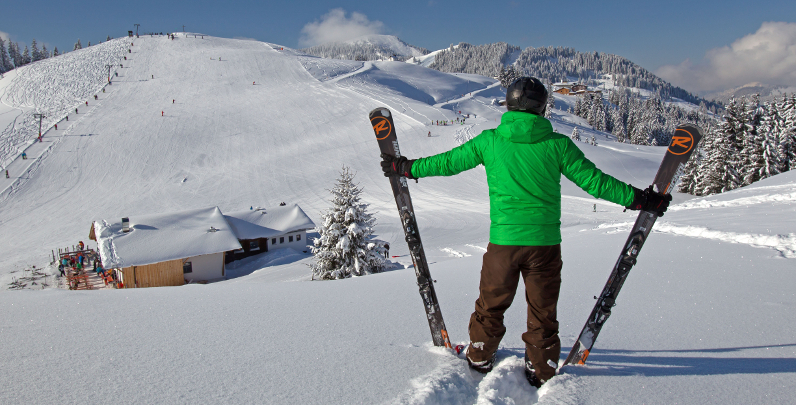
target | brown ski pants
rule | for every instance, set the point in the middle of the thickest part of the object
(540, 267)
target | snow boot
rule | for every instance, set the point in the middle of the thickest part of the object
(482, 367)
(531, 375)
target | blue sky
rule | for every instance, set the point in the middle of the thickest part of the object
(651, 33)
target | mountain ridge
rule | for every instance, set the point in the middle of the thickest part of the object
(550, 64)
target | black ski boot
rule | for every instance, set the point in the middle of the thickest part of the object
(531, 375)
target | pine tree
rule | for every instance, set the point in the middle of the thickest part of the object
(344, 248)
(44, 52)
(26, 56)
(508, 75)
(690, 177)
(35, 53)
(5, 60)
(618, 129)
(78, 45)
(13, 52)
(787, 133)
(597, 112)
(55, 51)
(753, 153)
(575, 134)
(712, 181)
(551, 102)
(719, 175)
(770, 130)
(733, 130)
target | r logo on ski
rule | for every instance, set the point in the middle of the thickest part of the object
(382, 127)
(682, 142)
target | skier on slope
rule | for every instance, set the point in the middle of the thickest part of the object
(524, 160)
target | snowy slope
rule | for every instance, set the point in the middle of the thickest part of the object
(706, 316)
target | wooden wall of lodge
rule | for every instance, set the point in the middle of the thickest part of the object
(154, 275)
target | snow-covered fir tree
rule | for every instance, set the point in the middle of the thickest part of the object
(26, 56)
(575, 134)
(753, 159)
(35, 52)
(754, 140)
(344, 248)
(507, 76)
(787, 136)
(593, 141)
(691, 172)
(5, 61)
(485, 60)
(551, 102)
(78, 45)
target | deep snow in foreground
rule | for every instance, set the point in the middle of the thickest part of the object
(706, 316)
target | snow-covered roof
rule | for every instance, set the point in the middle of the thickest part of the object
(163, 237)
(265, 223)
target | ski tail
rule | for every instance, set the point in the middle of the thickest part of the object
(684, 140)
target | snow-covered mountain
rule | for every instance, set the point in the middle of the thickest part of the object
(370, 47)
(550, 64)
(706, 316)
(765, 91)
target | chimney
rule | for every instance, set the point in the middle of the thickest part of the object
(125, 224)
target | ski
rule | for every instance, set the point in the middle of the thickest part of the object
(384, 128)
(684, 141)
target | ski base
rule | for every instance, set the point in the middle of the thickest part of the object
(684, 141)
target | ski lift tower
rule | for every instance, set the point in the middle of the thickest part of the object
(40, 117)
(109, 71)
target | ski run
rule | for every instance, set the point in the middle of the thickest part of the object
(707, 315)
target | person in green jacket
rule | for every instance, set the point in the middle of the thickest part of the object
(524, 161)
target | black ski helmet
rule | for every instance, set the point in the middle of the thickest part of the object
(527, 94)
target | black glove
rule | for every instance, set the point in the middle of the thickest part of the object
(649, 200)
(400, 166)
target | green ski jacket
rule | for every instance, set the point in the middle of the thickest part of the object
(524, 160)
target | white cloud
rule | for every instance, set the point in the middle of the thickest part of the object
(4, 35)
(334, 26)
(767, 56)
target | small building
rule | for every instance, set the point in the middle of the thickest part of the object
(166, 249)
(573, 89)
(563, 87)
(260, 230)
(194, 245)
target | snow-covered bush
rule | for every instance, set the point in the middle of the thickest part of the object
(344, 248)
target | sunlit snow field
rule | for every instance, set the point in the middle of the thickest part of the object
(707, 315)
